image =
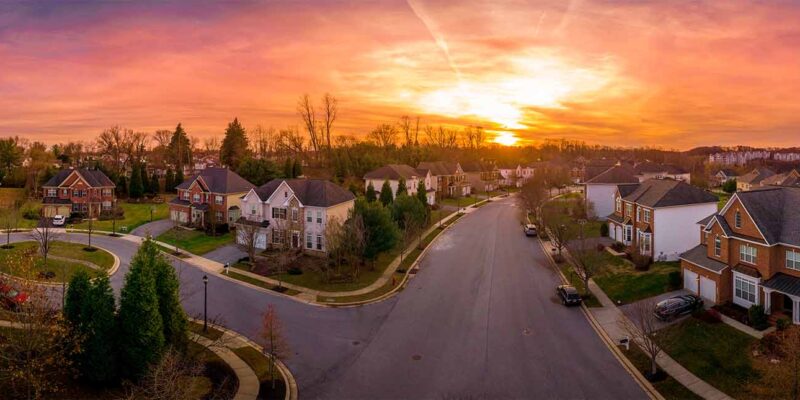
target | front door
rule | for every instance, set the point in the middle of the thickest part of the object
(295, 240)
(787, 304)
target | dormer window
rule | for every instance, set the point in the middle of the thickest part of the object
(619, 205)
(737, 219)
(717, 246)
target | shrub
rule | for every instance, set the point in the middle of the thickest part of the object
(31, 213)
(674, 279)
(640, 261)
(604, 230)
(783, 323)
(600, 247)
(618, 247)
(294, 271)
(757, 317)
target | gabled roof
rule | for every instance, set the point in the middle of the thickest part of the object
(93, 178)
(651, 167)
(755, 176)
(219, 180)
(617, 174)
(668, 192)
(698, 255)
(477, 166)
(727, 172)
(774, 211)
(439, 167)
(627, 188)
(791, 178)
(310, 192)
(395, 172)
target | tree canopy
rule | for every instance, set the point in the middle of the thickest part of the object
(235, 147)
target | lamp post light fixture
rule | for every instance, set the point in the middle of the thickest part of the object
(205, 303)
(226, 266)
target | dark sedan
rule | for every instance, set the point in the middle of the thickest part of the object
(569, 295)
(674, 307)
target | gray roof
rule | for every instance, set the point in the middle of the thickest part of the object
(310, 192)
(439, 167)
(395, 172)
(617, 174)
(774, 211)
(651, 167)
(698, 255)
(755, 176)
(668, 192)
(219, 180)
(627, 188)
(92, 177)
(783, 283)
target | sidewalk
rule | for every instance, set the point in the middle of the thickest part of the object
(608, 317)
(248, 381)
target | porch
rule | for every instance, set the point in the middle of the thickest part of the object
(782, 296)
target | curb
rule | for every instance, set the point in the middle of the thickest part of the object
(288, 378)
(648, 387)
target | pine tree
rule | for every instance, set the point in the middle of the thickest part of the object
(401, 187)
(77, 292)
(422, 193)
(169, 303)
(179, 177)
(234, 147)
(386, 194)
(97, 361)
(154, 186)
(287, 169)
(180, 148)
(169, 181)
(370, 195)
(136, 187)
(141, 330)
(145, 179)
(297, 169)
(122, 185)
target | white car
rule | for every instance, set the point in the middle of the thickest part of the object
(59, 220)
(530, 230)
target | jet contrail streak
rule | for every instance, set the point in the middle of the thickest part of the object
(434, 31)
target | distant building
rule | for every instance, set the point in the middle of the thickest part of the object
(393, 173)
(650, 170)
(601, 189)
(752, 179)
(449, 178)
(482, 176)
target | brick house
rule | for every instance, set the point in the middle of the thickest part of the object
(750, 253)
(211, 193)
(78, 191)
(482, 176)
(392, 173)
(654, 216)
(294, 211)
(449, 178)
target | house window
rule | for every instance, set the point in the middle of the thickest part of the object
(717, 246)
(279, 213)
(106, 205)
(619, 204)
(638, 213)
(646, 215)
(185, 195)
(309, 244)
(319, 217)
(253, 210)
(295, 215)
(745, 289)
(644, 242)
(737, 220)
(219, 216)
(106, 192)
(793, 260)
(278, 235)
(218, 199)
(65, 192)
(629, 209)
(628, 234)
(196, 198)
(748, 254)
(51, 192)
(309, 216)
(319, 242)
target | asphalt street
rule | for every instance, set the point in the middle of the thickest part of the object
(480, 320)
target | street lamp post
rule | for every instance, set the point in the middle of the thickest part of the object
(152, 208)
(205, 303)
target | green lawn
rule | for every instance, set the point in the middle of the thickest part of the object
(723, 199)
(622, 283)
(261, 366)
(716, 353)
(212, 334)
(195, 242)
(61, 269)
(11, 196)
(669, 387)
(135, 215)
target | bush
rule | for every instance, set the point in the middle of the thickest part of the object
(604, 230)
(783, 323)
(618, 247)
(31, 213)
(640, 261)
(600, 247)
(757, 317)
(294, 271)
(674, 279)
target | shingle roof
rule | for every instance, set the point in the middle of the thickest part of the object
(439, 167)
(774, 211)
(790, 178)
(698, 255)
(627, 188)
(93, 177)
(651, 167)
(394, 172)
(310, 192)
(219, 180)
(668, 192)
(476, 166)
(784, 284)
(755, 176)
(617, 174)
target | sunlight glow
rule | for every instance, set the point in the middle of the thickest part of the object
(506, 139)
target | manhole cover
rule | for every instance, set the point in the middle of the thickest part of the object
(356, 343)
(416, 357)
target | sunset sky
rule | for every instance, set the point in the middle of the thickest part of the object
(674, 74)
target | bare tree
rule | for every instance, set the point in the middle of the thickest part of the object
(211, 144)
(384, 135)
(410, 232)
(586, 262)
(289, 141)
(10, 220)
(44, 234)
(272, 340)
(335, 244)
(356, 240)
(162, 137)
(168, 379)
(442, 137)
(406, 130)
(263, 140)
(330, 110)
(643, 328)
(247, 233)
(306, 111)
(559, 228)
(474, 137)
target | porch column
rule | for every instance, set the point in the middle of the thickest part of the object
(795, 310)
(767, 301)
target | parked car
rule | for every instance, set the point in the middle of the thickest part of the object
(11, 298)
(59, 220)
(530, 229)
(569, 295)
(673, 307)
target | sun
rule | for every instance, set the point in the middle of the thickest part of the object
(506, 139)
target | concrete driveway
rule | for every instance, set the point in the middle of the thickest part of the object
(480, 320)
(628, 309)
(230, 253)
(154, 228)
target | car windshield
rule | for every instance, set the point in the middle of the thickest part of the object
(573, 296)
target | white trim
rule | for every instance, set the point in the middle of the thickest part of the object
(700, 266)
(740, 301)
(730, 201)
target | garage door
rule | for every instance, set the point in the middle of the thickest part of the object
(708, 289)
(261, 241)
(690, 281)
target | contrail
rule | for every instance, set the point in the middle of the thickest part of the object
(437, 36)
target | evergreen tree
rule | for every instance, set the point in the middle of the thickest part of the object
(178, 178)
(234, 147)
(297, 169)
(122, 185)
(406, 205)
(74, 301)
(141, 330)
(370, 195)
(401, 187)
(154, 186)
(145, 178)
(257, 171)
(180, 148)
(97, 360)
(136, 187)
(422, 194)
(386, 194)
(382, 233)
(169, 181)
(287, 169)
(169, 303)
